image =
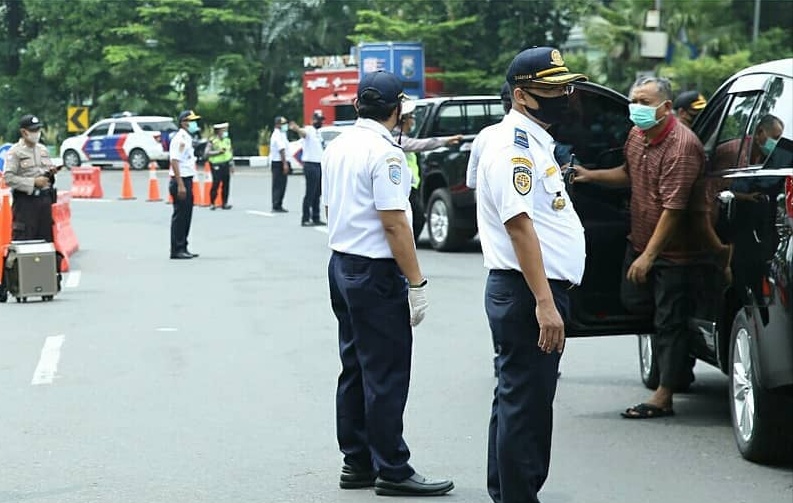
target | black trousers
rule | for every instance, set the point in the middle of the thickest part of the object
(369, 299)
(221, 173)
(521, 419)
(32, 217)
(279, 184)
(313, 174)
(671, 296)
(182, 214)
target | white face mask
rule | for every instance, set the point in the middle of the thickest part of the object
(33, 136)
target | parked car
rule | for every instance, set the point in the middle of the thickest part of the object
(749, 336)
(448, 206)
(111, 142)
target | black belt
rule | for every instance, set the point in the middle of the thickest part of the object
(563, 283)
(36, 193)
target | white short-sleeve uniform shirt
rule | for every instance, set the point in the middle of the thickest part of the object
(278, 142)
(517, 173)
(476, 152)
(181, 149)
(363, 172)
(312, 145)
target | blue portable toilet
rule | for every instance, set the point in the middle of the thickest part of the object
(403, 59)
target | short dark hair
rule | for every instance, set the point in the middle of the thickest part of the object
(768, 121)
(372, 110)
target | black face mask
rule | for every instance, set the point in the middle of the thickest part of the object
(551, 111)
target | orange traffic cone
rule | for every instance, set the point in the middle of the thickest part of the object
(207, 184)
(198, 196)
(154, 185)
(5, 218)
(126, 184)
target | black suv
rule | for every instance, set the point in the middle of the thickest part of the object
(748, 332)
(446, 203)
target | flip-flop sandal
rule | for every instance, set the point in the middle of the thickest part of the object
(646, 411)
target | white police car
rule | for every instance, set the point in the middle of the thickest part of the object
(111, 142)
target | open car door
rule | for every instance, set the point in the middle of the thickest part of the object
(595, 132)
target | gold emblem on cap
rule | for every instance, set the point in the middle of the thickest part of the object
(556, 58)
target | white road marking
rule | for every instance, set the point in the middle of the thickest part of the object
(91, 200)
(167, 329)
(72, 279)
(48, 362)
(259, 213)
(322, 229)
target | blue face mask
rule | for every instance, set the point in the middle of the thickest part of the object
(284, 127)
(768, 146)
(643, 115)
(192, 127)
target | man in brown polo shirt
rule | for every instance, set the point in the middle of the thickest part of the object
(663, 160)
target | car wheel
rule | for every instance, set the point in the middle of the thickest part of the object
(759, 419)
(648, 362)
(138, 159)
(71, 158)
(444, 235)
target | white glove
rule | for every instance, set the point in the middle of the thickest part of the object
(417, 298)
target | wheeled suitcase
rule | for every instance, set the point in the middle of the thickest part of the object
(31, 270)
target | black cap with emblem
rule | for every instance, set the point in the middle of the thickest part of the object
(541, 65)
(380, 88)
(30, 122)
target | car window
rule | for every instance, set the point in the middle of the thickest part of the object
(100, 130)
(122, 128)
(727, 147)
(595, 129)
(419, 114)
(773, 120)
(161, 126)
(450, 120)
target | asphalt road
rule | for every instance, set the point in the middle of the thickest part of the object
(212, 380)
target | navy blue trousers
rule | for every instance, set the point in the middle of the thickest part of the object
(182, 214)
(369, 299)
(521, 421)
(313, 174)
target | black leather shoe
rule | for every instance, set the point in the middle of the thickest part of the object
(416, 485)
(181, 255)
(212, 207)
(319, 223)
(226, 206)
(280, 210)
(194, 255)
(354, 478)
(306, 224)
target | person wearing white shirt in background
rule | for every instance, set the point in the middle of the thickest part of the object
(312, 169)
(182, 171)
(377, 292)
(533, 245)
(279, 166)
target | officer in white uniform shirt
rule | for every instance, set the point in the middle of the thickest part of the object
(312, 158)
(533, 245)
(182, 170)
(476, 145)
(377, 292)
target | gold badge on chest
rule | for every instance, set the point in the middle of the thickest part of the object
(559, 202)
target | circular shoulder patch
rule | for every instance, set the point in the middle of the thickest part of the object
(395, 173)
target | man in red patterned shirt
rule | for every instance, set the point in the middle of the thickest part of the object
(663, 160)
